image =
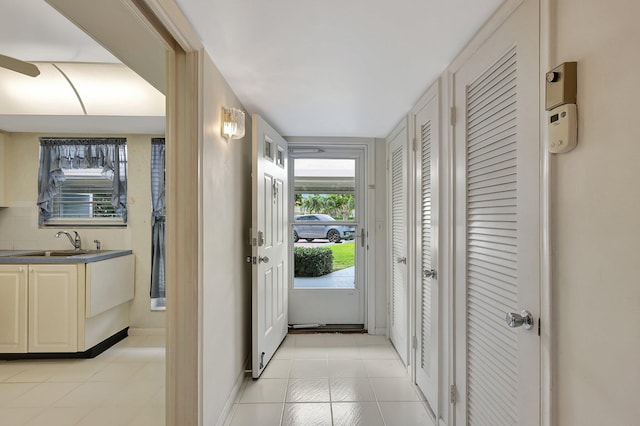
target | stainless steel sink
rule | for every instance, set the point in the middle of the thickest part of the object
(56, 253)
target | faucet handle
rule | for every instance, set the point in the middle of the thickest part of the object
(97, 244)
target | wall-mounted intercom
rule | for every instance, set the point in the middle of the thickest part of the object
(560, 102)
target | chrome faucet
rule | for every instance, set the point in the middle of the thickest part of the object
(77, 242)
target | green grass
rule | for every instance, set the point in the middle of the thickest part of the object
(344, 255)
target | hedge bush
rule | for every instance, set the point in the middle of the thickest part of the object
(312, 261)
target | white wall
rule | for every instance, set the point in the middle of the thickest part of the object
(19, 222)
(226, 209)
(382, 248)
(596, 217)
(3, 136)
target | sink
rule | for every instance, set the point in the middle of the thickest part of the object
(56, 253)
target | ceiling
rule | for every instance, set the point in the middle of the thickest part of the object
(349, 68)
(334, 67)
(81, 87)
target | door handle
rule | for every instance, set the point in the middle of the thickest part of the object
(430, 273)
(524, 320)
(402, 260)
(263, 259)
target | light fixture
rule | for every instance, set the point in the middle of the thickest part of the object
(232, 123)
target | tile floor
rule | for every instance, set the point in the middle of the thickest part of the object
(122, 386)
(331, 379)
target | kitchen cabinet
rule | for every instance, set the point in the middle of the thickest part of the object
(53, 308)
(74, 308)
(13, 308)
(38, 308)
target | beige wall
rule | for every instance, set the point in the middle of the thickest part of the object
(226, 210)
(19, 222)
(596, 217)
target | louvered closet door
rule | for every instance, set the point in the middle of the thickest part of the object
(497, 225)
(398, 212)
(426, 131)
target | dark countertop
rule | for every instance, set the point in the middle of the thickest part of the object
(27, 256)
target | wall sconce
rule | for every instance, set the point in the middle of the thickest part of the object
(232, 123)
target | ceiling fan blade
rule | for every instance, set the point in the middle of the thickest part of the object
(17, 65)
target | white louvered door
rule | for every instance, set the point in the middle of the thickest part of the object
(497, 226)
(398, 302)
(427, 136)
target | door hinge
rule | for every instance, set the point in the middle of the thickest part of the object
(452, 116)
(414, 342)
(452, 394)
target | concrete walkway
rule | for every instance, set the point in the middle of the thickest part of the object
(344, 278)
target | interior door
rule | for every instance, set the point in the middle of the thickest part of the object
(497, 226)
(398, 304)
(427, 347)
(270, 242)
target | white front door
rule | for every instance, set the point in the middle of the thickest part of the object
(398, 305)
(497, 157)
(270, 242)
(426, 308)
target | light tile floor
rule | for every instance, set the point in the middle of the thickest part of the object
(124, 385)
(331, 379)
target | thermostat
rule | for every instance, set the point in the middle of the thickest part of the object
(563, 128)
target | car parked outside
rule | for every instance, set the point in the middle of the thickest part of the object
(306, 228)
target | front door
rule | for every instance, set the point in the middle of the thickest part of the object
(270, 242)
(497, 157)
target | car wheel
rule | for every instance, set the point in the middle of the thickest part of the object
(333, 236)
(295, 237)
(309, 240)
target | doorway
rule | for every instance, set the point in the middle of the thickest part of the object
(327, 225)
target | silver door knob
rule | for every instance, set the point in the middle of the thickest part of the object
(402, 260)
(263, 259)
(524, 320)
(431, 273)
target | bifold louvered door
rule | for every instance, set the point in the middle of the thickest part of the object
(398, 303)
(427, 339)
(497, 226)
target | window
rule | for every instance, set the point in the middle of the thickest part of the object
(83, 181)
(158, 207)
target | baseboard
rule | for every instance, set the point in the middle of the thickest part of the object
(228, 406)
(141, 331)
(89, 353)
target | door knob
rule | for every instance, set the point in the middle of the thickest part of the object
(402, 260)
(263, 259)
(431, 273)
(524, 320)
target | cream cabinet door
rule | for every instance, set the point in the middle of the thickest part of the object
(13, 309)
(53, 308)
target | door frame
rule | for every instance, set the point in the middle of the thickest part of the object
(359, 155)
(368, 145)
